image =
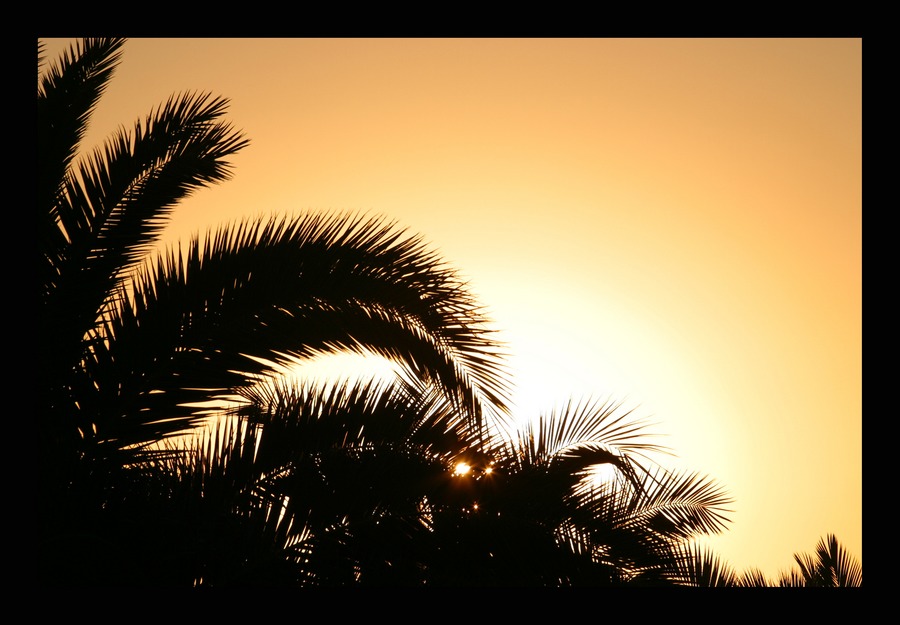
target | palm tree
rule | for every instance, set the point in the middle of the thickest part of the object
(98, 216)
(831, 566)
(536, 515)
(360, 484)
(135, 351)
(353, 483)
(123, 365)
(313, 485)
(362, 470)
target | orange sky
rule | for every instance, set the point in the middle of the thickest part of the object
(673, 223)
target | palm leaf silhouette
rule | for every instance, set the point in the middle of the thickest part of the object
(258, 296)
(831, 566)
(297, 482)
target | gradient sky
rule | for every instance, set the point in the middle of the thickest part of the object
(672, 223)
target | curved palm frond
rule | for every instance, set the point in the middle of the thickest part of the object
(638, 523)
(272, 293)
(681, 503)
(587, 424)
(560, 450)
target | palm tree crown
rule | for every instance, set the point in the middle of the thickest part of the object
(197, 324)
(299, 484)
(134, 351)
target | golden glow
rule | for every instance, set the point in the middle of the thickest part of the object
(674, 223)
(462, 469)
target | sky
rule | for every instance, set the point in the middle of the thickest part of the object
(675, 224)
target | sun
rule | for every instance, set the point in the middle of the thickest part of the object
(462, 468)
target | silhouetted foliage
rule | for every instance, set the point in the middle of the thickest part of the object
(830, 567)
(289, 483)
(134, 351)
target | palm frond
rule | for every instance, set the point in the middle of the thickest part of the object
(114, 207)
(684, 503)
(273, 293)
(309, 418)
(124, 190)
(704, 569)
(831, 566)
(98, 217)
(361, 464)
(753, 578)
(600, 424)
(791, 579)
(198, 519)
(672, 504)
(67, 94)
